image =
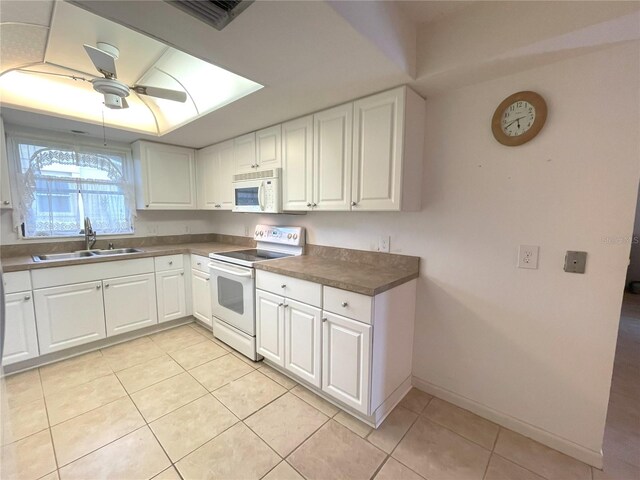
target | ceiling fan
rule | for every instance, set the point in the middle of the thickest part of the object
(114, 91)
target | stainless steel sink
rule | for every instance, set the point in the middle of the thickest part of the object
(83, 254)
(116, 251)
(63, 256)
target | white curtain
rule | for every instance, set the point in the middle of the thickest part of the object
(59, 185)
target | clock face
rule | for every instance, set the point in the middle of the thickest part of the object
(518, 118)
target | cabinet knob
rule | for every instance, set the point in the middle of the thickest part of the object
(314, 205)
(207, 279)
(283, 285)
(253, 166)
(324, 319)
(354, 204)
(285, 306)
(199, 263)
(171, 262)
(27, 297)
(182, 274)
(344, 304)
(6, 202)
(309, 205)
(98, 287)
(106, 285)
(281, 304)
(147, 205)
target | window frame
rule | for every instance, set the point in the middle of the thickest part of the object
(67, 142)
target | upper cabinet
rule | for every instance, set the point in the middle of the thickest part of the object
(165, 176)
(215, 168)
(268, 148)
(244, 152)
(388, 134)
(332, 131)
(5, 188)
(297, 164)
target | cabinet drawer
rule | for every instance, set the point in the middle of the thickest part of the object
(348, 304)
(168, 262)
(198, 262)
(293, 288)
(17, 282)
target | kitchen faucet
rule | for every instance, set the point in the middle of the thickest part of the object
(89, 234)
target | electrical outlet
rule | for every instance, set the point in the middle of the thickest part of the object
(247, 231)
(528, 256)
(384, 243)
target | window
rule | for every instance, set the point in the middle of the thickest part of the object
(59, 185)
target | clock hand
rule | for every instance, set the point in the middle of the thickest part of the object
(516, 120)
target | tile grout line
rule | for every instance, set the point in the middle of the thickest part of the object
(46, 409)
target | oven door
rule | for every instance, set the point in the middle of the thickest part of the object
(232, 295)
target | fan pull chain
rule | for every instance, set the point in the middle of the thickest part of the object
(104, 132)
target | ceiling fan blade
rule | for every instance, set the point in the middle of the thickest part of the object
(175, 95)
(104, 63)
(125, 104)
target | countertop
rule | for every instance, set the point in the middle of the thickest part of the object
(15, 264)
(355, 277)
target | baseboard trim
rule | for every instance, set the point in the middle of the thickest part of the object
(549, 439)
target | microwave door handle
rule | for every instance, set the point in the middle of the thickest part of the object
(230, 272)
(261, 196)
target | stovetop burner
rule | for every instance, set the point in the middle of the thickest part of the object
(253, 255)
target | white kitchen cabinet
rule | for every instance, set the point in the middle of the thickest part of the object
(165, 176)
(346, 346)
(388, 133)
(268, 148)
(302, 341)
(297, 164)
(244, 153)
(270, 326)
(200, 288)
(5, 183)
(69, 315)
(21, 338)
(332, 165)
(129, 303)
(171, 294)
(215, 170)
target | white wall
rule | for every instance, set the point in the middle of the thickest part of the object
(146, 224)
(533, 348)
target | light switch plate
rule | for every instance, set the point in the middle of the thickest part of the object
(528, 256)
(575, 262)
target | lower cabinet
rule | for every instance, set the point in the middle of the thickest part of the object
(270, 326)
(201, 296)
(171, 294)
(346, 347)
(69, 315)
(21, 338)
(302, 341)
(129, 303)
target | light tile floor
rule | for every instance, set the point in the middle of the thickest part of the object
(179, 404)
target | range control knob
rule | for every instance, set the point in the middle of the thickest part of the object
(289, 236)
(295, 236)
(261, 233)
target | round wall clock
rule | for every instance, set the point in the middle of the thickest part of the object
(519, 118)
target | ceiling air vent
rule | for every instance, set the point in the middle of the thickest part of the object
(217, 13)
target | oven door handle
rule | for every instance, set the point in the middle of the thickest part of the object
(261, 196)
(231, 272)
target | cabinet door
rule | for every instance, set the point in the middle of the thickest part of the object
(346, 346)
(268, 147)
(129, 303)
(69, 315)
(206, 174)
(169, 177)
(377, 151)
(171, 294)
(224, 177)
(21, 338)
(244, 152)
(5, 184)
(332, 167)
(200, 289)
(303, 333)
(270, 326)
(297, 164)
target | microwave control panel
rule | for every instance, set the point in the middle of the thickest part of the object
(293, 236)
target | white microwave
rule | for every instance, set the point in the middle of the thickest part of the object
(257, 192)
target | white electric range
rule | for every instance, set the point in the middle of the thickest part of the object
(233, 284)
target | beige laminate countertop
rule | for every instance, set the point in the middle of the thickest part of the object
(354, 277)
(16, 264)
